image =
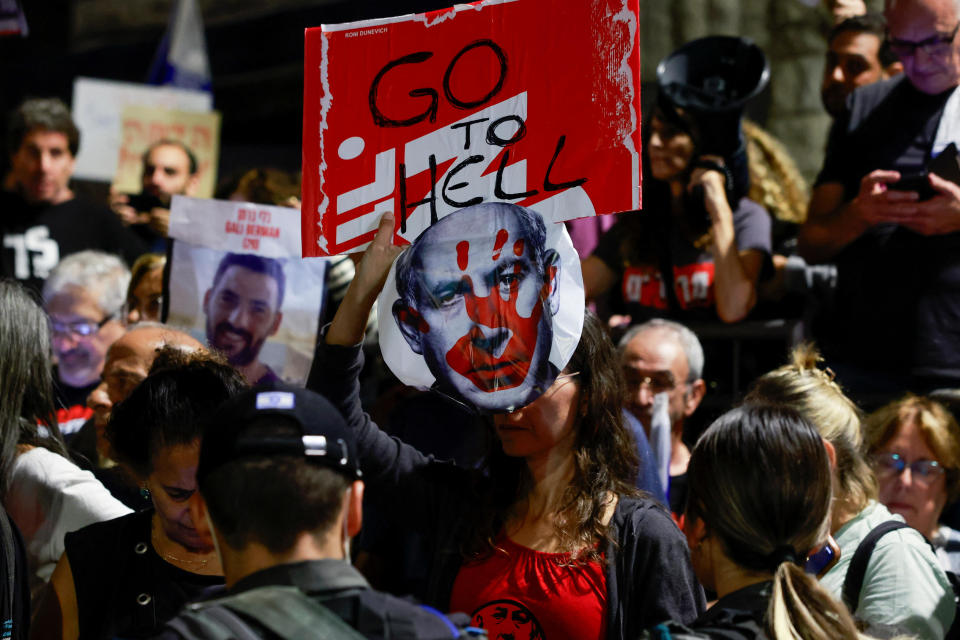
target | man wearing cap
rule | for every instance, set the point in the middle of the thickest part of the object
(284, 546)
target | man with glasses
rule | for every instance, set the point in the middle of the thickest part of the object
(83, 297)
(661, 356)
(895, 243)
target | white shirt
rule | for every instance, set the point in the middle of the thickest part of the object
(48, 497)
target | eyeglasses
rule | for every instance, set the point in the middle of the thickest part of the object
(83, 328)
(934, 46)
(658, 383)
(889, 465)
(566, 376)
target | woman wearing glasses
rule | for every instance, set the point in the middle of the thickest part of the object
(904, 588)
(914, 444)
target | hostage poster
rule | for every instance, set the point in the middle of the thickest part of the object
(528, 102)
(237, 283)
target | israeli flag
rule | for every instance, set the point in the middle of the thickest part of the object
(181, 60)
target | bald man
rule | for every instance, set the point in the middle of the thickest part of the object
(128, 361)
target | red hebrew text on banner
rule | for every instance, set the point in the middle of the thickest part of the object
(524, 101)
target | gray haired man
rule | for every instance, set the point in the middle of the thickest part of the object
(661, 356)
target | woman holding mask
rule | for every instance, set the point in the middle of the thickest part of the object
(126, 577)
(550, 531)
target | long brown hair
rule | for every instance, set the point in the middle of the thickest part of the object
(759, 479)
(605, 459)
(26, 383)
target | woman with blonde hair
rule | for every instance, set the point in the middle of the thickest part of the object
(749, 531)
(904, 586)
(914, 445)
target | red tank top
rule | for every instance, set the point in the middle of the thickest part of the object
(521, 594)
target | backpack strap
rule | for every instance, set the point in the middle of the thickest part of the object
(284, 611)
(212, 623)
(853, 581)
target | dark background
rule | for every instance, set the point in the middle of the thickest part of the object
(255, 48)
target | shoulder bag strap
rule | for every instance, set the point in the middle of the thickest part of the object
(853, 582)
(212, 623)
(289, 613)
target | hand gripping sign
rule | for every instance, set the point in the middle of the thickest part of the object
(530, 102)
(486, 307)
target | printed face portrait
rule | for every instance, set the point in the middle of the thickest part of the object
(242, 306)
(478, 291)
(507, 620)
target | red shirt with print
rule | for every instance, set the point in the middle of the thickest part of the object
(523, 594)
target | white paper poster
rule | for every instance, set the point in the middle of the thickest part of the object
(97, 109)
(238, 284)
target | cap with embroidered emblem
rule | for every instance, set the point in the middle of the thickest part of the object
(325, 439)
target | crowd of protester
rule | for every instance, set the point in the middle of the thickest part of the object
(156, 486)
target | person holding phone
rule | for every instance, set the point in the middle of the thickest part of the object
(895, 250)
(169, 168)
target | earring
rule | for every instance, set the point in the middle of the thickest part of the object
(144, 492)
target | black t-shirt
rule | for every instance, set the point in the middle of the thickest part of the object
(898, 298)
(642, 248)
(36, 238)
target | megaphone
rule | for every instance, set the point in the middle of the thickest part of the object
(712, 79)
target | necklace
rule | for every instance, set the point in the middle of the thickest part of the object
(155, 539)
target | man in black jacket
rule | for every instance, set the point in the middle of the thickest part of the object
(280, 489)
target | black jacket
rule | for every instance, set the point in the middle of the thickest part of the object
(649, 577)
(345, 593)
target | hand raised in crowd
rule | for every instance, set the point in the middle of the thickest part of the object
(843, 9)
(120, 205)
(876, 203)
(350, 321)
(714, 188)
(941, 213)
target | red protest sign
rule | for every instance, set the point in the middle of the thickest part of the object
(525, 101)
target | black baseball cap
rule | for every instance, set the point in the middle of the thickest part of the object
(325, 439)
